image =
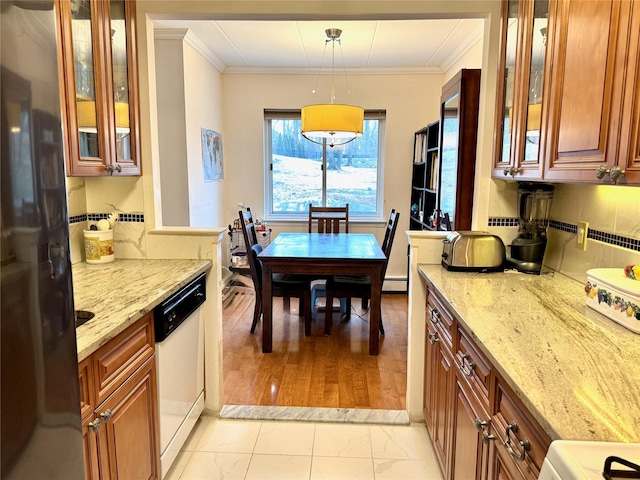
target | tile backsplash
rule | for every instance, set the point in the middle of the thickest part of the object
(107, 195)
(613, 213)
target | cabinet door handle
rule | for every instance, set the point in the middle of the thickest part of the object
(435, 316)
(615, 173)
(486, 438)
(467, 371)
(525, 446)
(433, 337)
(480, 424)
(95, 425)
(106, 416)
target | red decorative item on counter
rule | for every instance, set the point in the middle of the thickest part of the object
(632, 271)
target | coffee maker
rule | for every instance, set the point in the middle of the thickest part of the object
(534, 207)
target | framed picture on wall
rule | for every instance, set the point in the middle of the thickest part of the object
(212, 155)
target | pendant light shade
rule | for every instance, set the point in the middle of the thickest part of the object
(338, 124)
(332, 121)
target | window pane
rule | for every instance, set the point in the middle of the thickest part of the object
(352, 172)
(298, 179)
(296, 168)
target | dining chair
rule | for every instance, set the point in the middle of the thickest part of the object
(297, 286)
(359, 286)
(328, 219)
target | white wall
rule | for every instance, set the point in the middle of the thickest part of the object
(171, 129)
(189, 98)
(203, 109)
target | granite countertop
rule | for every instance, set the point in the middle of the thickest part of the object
(123, 291)
(576, 371)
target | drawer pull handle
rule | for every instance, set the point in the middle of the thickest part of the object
(433, 338)
(435, 316)
(467, 371)
(524, 444)
(106, 416)
(95, 425)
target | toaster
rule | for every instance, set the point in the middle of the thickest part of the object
(473, 251)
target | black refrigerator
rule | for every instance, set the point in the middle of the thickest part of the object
(41, 435)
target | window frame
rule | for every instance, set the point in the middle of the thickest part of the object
(269, 215)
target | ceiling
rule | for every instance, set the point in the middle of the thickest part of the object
(369, 45)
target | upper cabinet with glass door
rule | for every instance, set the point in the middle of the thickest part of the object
(101, 89)
(520, 90)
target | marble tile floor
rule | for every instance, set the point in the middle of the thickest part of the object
(220, 448)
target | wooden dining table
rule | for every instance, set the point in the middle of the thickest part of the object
(319, 255)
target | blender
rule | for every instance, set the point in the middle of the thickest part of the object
(534, 207)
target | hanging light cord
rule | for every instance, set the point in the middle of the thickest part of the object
(333, 38)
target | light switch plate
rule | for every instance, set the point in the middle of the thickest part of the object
(581, 235)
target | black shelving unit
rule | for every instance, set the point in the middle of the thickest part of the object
(424, 180)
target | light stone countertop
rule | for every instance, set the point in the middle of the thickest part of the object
(576, 371)
(123, 291)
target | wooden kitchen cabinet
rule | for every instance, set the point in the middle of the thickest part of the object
(520, 444)
(119, 406)
(439, 376)
(588, 46)
(468, 407)
(100, 92)
(520, 90)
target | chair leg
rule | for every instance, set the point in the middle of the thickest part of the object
(305, 303)
(365, 303)
(328, 314)
(347, 313)
(257, 311)
(286, 304)
(381, 326)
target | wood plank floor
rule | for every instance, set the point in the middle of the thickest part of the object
(316, 371)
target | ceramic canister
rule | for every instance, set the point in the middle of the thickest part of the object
(98, 246)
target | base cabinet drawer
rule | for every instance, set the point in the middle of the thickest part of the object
(519, 437)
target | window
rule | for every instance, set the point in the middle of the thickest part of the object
(299, 172)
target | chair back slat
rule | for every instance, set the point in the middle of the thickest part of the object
(248, 229)
(389, 235)
(328, 219)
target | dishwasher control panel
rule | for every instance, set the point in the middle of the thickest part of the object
(176, 309)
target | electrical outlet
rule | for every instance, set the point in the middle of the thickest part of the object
(581, 235)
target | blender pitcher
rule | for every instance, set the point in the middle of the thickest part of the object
(534, 207)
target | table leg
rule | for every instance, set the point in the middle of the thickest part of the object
(374, 312)
(267, 310)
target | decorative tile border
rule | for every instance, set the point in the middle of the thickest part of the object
(94, 217)
(610, 238)
(503, 222)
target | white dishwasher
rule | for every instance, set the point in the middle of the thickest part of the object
(585, 460)
(179, 334)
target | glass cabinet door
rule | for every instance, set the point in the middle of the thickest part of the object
(521, 89)
(98, 54)
(83, 33)
(120, 79)
(536, 76)
(508, 81)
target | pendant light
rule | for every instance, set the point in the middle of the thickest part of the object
(337, 123)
